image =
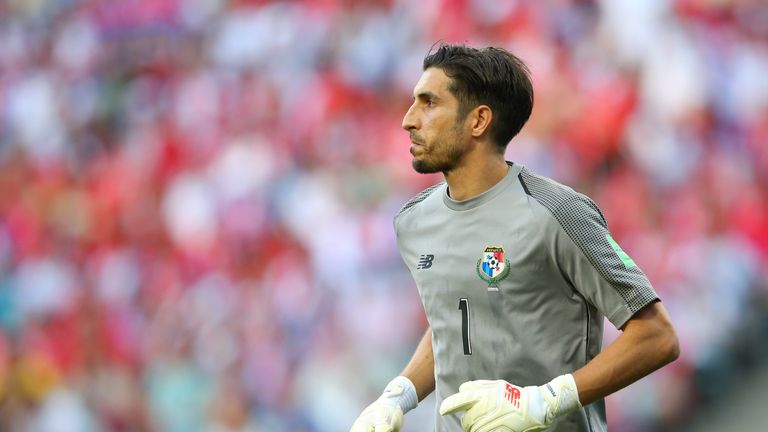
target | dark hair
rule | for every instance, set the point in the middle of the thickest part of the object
(489, 76)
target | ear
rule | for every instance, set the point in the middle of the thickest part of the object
(480, 120)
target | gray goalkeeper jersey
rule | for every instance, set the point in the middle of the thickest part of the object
(515, 283)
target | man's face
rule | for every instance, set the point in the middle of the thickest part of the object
(438, 139)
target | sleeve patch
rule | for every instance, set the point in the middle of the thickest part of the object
(626, 259)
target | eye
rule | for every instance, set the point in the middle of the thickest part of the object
(431, 102)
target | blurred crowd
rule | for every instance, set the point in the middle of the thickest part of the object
(196, 197)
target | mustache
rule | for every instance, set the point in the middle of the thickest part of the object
(417, 139)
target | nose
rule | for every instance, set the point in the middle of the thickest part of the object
(410, 121)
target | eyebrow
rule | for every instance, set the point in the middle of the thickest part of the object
(426, 95)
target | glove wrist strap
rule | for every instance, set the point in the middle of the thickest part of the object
(561, 395)
(401, 392)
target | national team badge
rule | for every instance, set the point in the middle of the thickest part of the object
(493, 267)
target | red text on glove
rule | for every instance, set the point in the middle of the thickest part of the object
(513, 395)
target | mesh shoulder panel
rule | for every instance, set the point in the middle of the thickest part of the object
(421, 196)
(582, 220)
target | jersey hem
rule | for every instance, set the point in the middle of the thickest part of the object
(618, 320)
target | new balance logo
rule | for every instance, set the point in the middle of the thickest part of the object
(425, 262)
(512, 394)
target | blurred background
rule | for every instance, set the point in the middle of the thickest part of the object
(196, 199)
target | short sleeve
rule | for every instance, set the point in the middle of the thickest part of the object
(595, 264)
(588, 256)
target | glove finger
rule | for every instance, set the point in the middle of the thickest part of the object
(485, 384)
(473, 419)
(469, 386)
(458, 402)
(357, 427)
(480, 385)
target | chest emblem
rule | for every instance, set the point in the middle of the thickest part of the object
(493, 267)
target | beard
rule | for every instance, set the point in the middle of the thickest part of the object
(444, 155)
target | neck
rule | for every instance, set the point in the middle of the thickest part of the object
(475, 176)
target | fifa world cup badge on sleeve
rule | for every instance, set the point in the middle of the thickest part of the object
(493, 267)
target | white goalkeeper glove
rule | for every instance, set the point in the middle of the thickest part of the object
(502, 407)
(386, 413)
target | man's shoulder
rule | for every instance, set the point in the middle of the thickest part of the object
(538, 185)
(418, 199)
(565, 204)
(550, 193)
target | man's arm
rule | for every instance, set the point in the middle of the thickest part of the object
(421, 369)
(648, 342)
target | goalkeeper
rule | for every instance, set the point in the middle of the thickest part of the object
(515, 271)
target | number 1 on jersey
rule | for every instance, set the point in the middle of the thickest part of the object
(464, 308)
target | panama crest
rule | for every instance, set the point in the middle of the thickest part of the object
(493, 267)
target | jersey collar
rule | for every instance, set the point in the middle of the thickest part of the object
(478, 200)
